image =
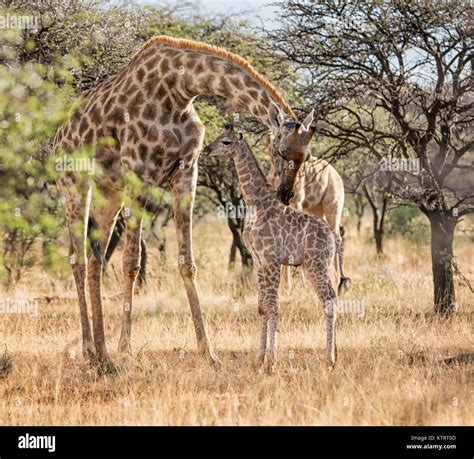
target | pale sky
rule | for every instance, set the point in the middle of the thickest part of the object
(251, 10)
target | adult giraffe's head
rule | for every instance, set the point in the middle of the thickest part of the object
(290, 148)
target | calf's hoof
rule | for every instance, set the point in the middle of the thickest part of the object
(211, 357)
(331, 363)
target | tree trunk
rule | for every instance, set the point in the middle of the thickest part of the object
(233, 252)
(247, 260)
(359, 211)
(378, 235)
(442, 235)
(245, 256)
(379, 209)
(378, 227)
(247, 264)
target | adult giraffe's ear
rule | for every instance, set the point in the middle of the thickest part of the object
(276, 116)
(308, 120)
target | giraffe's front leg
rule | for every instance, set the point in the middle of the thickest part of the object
(77, 205)
(131, 268)
(269, 281)
(183, 189)
(104, 221)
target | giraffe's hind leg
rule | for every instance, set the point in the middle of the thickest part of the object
(183, 191)
(77, 214)
(262, 311)
(104, 218)
(131, 268)
(318, 271)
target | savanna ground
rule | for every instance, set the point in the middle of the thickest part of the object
(391, 350)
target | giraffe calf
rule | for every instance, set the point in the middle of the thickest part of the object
(278, 235)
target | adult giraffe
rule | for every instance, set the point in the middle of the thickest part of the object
(148, 112)
(319, 191)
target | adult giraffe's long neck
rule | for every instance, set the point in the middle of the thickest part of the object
(179, 74)
(255, 187)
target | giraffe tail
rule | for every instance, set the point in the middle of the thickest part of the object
(344, 281)
(96, 250)
(98, 253)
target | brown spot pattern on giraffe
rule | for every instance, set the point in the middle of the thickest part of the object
(148, 109)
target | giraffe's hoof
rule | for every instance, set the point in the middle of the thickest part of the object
(107, 367)
(88, 351)
(211, 357)
(268, 368)
(258, 363)
(104, 365)
(124, 346)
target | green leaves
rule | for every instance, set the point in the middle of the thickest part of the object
(32, 106)
(43, 70)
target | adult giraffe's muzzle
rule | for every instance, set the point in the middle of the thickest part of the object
(285, 195)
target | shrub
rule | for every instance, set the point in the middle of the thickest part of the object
(409, 222)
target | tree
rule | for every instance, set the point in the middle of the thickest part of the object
(31, 107)
(409, 63)
(66, 48)
(84, 30)
(368, 186)
(360, 204)
(378, 201)
(72, 47)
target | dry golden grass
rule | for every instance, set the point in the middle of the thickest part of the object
(388, 372)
